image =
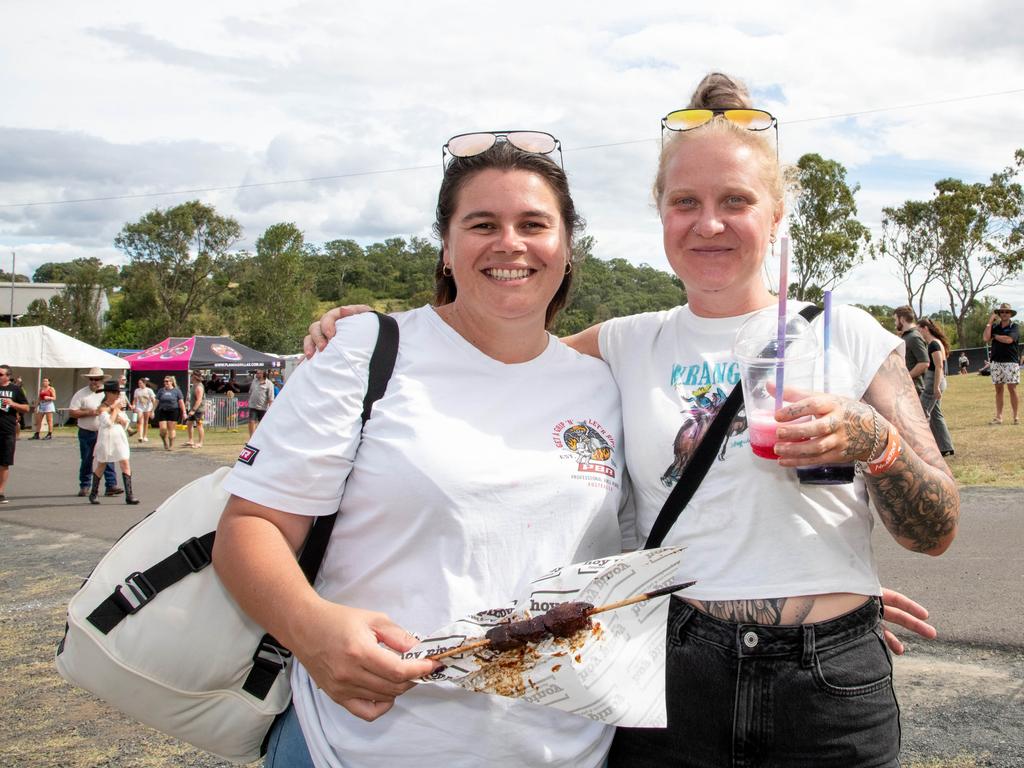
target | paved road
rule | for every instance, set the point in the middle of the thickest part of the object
(974, 592)
(961, 700)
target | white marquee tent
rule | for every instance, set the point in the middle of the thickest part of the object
(38, 351)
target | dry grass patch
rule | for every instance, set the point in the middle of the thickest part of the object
(985, 454)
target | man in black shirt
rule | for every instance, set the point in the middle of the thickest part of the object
(915, 348)
(1004, 335)
(13, 403)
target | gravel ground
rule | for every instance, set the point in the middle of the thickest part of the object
(962, 706)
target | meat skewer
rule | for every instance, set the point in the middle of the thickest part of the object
(563, 620)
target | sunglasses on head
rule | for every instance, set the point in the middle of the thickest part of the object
(688, 119)
(471, 144)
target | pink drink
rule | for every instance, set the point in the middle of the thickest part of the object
(762, 429)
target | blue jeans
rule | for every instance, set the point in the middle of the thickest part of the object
(751, 696)
(86, 448)
(286, 746)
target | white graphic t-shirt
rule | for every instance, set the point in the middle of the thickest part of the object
(473, 477)
(751, 529)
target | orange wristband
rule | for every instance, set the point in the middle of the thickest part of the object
(893, 449)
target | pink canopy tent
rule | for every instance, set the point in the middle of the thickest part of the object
(200, 352)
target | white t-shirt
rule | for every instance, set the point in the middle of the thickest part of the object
(751, 529)
(87, 399)
(473, 478)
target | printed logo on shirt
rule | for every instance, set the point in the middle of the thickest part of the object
(588, 444)
(701, 396)
(248, 454)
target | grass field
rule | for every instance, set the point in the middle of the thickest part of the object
(985, 455)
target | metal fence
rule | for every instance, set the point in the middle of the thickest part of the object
(222, 412)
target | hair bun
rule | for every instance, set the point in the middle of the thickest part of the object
(719, 91)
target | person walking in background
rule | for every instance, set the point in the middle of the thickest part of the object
(1004, 335)
(170, 405)
(964, 362)
(261, 395)
(112, 442)
(197, 393)
(84, 407)
(13, 404)
(915, 348)
(935, 383)
(45, 409)
(144, 401)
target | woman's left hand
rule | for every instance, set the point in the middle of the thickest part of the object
(826, 429)
(900, 609)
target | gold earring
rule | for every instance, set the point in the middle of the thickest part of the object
(446, 270)
(568, 267)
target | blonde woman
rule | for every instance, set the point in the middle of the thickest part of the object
(170, 409)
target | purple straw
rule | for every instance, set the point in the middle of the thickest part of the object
(781, 350)
(828, 336)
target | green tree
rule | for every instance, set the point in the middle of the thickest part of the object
(980, 237)
(51, 272)
(910, 239)
(5, 277)
(827, 238)
(76, 310)
(180, 264)
(606, 289)
(274, 292)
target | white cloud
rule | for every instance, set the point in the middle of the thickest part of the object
(129, 100)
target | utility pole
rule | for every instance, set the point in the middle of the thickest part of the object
(13, 258)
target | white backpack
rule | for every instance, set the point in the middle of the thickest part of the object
(154, 633)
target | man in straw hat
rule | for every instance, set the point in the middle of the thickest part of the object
(1004, 335)
(85, 406)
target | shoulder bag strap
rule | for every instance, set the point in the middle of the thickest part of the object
(271, 657)
(703, 458)
(382, 364)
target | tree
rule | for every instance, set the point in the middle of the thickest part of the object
(274, 292)
(5, 277)
(180, 261)
(52, 272)
(76, 309)
(827, 237)
(606, 289)
(980, 237)
(910, 239)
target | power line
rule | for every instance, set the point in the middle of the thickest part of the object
(354, 174)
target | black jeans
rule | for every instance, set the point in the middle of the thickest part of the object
(752, 696)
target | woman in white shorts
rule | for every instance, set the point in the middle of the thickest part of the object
(143, 402)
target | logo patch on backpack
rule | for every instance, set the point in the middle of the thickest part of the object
(248, 454)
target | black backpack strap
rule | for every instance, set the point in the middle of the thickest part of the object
(142, 586)
(270, 656)
(382, 364)
(703, 458)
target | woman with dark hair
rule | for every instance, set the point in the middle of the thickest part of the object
(935, 383)
(112, 442)
(458, 495)
(779, 655)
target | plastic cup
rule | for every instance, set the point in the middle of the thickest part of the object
(759, 354)
(842, 380)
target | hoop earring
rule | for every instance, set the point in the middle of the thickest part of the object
(446, 270)
(568, 267)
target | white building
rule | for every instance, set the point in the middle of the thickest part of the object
(16, 302)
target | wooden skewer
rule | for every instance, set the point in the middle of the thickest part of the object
(482, 643)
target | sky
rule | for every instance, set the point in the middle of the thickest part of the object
(332, 115)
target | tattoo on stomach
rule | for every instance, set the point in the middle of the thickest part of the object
(774, 611)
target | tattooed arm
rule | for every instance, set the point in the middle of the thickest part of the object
(916, 498)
